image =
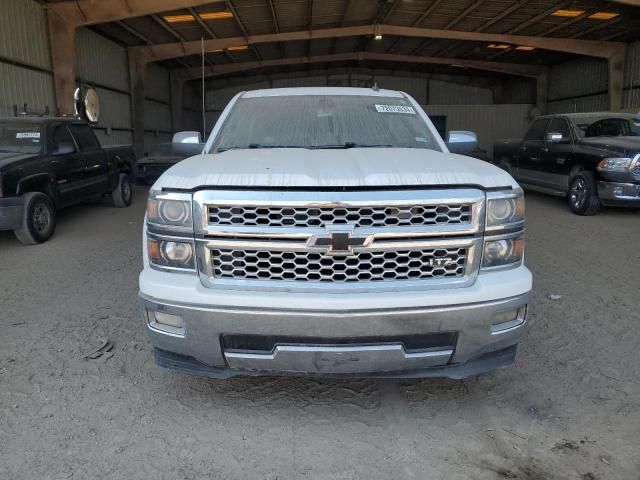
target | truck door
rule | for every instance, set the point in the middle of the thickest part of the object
(96, 170)
(556, 155)
(530, 150)
(66, 163)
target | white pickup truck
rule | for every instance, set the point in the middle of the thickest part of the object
(329, 231)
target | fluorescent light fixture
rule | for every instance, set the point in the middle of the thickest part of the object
(215, 15)
(237, 48)
(204, 16)
(525, 48)
(567, 13)
(377, 37)
(179, 18)
(603, 15)
(498, 46)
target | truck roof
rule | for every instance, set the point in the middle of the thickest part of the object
(352, 91)
(33, 119)
(591, 115)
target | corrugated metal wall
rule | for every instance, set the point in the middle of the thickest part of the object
(582, 85)
(443, 93)
(103, 65)
(101, 61)
(23, 33)
(489, 122)
(23, 38)
(631, 97)
(21, 85)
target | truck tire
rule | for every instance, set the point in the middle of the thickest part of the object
(123, 192)
(583, 194)
(38, 219)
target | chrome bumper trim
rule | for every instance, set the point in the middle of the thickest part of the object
(337, 359)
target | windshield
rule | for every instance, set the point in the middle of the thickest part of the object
(608, 126)
(324, 121)
(20, 137)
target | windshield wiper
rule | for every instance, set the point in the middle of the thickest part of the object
(346, 145)
(252, 146)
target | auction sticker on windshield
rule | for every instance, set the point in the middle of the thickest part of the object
(28, 135)
(394, 109)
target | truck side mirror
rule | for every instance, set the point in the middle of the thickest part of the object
(64, 148)
(553, 137)
(461, 141)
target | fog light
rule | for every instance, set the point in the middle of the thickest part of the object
(508, 319)
(166, 322)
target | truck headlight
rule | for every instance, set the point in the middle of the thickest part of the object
(501, 252)
(615, 164)
(171, 210)
(504, 209)
(170, 253)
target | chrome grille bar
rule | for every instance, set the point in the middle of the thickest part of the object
(425, 238)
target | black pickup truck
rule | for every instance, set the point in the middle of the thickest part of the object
(49, 163)
(591, 158)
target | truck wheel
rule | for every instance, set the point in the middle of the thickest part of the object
(38, 219)
(123, 192)
(583, 194)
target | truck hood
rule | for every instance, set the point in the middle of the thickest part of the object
(355, 167)
(628, 146)
(10, 157)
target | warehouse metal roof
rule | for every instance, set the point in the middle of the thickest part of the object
(238, 19)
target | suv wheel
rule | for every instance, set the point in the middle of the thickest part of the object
(583, 194)
(123, 193)
(38, 219)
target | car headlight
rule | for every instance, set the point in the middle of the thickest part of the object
(504, 209)
(500, 252)
(170, 253)
(172, 210)
(615, 164)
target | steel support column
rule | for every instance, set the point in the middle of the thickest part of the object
(137, 67)
(62, 42)
(616, 79)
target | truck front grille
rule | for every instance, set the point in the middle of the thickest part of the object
(300, 217)
(339, 241)
(369, 266)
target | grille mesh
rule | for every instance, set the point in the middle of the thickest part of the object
(357, 216)
(359, 267)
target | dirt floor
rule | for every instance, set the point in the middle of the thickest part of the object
(568, 409)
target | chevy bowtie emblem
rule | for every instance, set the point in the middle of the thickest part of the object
(339, 240)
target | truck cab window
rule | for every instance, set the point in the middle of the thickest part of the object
(560, 125)
(537, 129)
(85, 137)
(61, 135)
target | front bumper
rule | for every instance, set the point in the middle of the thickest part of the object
(331, 341)
(10, 213)
(619, 194)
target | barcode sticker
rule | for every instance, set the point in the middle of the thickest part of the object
(28, 135)
(395, 109)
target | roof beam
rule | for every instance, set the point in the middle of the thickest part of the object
(153, 53)
(79, 13)
(506, 68)
(417, 23)
(486, 25)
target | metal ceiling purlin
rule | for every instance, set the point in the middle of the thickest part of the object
(432, 8)
(593, 48)
(532, 71)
